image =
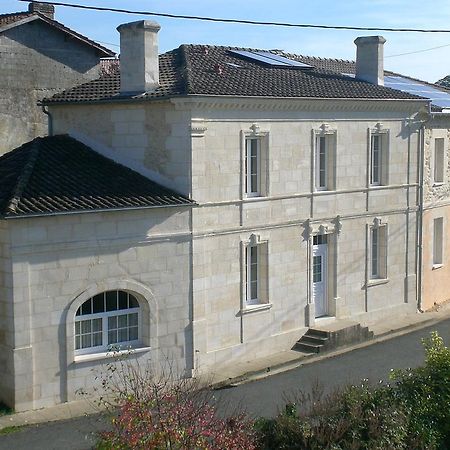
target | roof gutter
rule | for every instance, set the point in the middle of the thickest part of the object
(88, 211)
(195, 96)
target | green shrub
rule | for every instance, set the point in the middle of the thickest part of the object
(424, 393)
(412, 413)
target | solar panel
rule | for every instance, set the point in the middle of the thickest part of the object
(271, 59)
(437, 97)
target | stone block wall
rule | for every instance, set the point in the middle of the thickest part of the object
(6, 318)
(37, 61)
(61, 260)
(435, 286)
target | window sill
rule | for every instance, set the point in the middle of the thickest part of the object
(437, 266)
(377, 282)
(110, 354)
(254, 308)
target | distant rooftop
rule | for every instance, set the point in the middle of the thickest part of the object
(18, 18)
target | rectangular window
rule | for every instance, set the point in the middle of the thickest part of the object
(253, 167)
(375, 159)
(378, 252)
(251, 257)
(439, 146)
(256, 273)
(325, 162)
(438, 235)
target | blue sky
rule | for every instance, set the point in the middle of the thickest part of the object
(428, 65)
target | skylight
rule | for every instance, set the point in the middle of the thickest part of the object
(271, 59)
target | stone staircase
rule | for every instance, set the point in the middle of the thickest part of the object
(323, 339)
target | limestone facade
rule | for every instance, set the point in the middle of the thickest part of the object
(55, 263)
(203, 146)
(435, 268)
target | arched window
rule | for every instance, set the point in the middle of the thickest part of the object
(107, 321)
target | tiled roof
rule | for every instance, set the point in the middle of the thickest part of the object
(444, 82)
(60, 174)
(213, 70)
(8, 19)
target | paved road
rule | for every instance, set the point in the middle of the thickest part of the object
(260, 398)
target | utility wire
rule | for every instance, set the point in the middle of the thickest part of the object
(243, 21)
(418, 51)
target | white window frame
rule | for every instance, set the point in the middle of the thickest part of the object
(262, 157)
(251, 276)
(258, 279)
(439, 161)
(327, 164)
(252, 190)
(378, 174)
(438, 242)
(104, 316)
(378, 245)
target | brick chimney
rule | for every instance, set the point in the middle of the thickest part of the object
(369, 59)
(43, 8)
(139, 65)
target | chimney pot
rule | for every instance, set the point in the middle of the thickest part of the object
(42, 8)
(370, 59)
(139, 63)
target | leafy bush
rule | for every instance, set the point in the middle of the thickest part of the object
(412, 413)
(159, 412)
(424, 394)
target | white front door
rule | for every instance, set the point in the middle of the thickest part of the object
(319, 275)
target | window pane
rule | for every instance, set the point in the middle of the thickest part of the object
(111, 301)
(132, 319)
(133, 302)
(439, 160)
(96, 339)
(85, 326)
(112, 337)
(112, 322)
(86, 307)
(77, 327)
(254, 290)
(97, 325)
(123, 300)
(77, 342)
(375, 252)
(86, 341)
(133, 333)
(123, 335)
(123, 322)
(99, 303)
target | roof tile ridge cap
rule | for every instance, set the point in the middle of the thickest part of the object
(186, 68)
(25, 177)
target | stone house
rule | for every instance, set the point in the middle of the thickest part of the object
(38, 58)
(283, 195)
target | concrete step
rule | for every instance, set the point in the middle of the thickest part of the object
(306, 347)
(319, 340)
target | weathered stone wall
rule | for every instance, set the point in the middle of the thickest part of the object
(436, 287)
(6, 318)
(37, 61)
(58, 260)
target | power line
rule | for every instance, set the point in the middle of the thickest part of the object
(243, 21)
(418, 51)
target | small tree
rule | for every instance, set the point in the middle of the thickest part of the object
(161, 412)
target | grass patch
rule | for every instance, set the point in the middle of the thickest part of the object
(4, 410)
(10, 430)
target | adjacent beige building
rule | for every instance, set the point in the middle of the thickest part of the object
(298, 203)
